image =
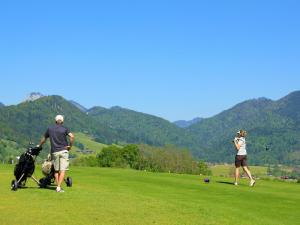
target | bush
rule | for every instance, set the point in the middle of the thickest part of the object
(86, 161)
(143, 157)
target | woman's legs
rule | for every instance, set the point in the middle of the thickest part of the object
(247, 171)
(237, 175)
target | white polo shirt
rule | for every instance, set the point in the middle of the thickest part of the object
(242, 142)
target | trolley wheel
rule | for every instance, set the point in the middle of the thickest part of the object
(43, 183)
(14, 185)
(48, 181)
(69, 182)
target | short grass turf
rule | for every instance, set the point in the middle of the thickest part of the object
(123, 196)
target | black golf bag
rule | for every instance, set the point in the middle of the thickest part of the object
(25, 168)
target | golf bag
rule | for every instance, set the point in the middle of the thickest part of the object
(48, 171)
(25, 168)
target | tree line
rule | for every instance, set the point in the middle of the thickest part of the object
(169, 159)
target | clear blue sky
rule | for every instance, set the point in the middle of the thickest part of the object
(174, 59)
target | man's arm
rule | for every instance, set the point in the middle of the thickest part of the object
(44, 138)
(71, 137)
(42, 141)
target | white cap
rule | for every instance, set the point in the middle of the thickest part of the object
(59, 118)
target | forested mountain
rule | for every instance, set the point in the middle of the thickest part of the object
(273, 131)
(187, 123)
(1, 104)
(80, 107)
(139, 127)
(273, 127)
(29, 120)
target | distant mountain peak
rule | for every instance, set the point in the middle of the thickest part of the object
(116, 107)
(292, 96)
(185, 123)
(1, 104)
(34, 96)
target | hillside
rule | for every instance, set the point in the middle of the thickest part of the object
(187, 123)
(80, 107)
(84, 144)
(29, 120)
(271, 124)
(273, 127)
(137, 127)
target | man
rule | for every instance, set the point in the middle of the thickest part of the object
(59, 149)
(241, 157)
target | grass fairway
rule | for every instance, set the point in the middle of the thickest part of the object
(120, 196)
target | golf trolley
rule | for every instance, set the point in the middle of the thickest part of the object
(25, 168)
(48, 171)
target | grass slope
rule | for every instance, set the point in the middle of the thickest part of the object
(88, 142)
(120, 196)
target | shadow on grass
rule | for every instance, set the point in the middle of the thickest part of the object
(50, 188)
(225, 182)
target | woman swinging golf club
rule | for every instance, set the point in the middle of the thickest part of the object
(241, 157)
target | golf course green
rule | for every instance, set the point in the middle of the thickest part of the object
(124, 196)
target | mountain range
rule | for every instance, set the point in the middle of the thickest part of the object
(273, 127)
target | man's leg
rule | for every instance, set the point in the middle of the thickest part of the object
(61, 178)
(56, 174)
(63, 166)
(55, 159)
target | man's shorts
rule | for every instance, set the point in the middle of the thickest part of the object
(240, 160)
(61, 160)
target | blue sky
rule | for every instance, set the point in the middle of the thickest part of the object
(174, 59)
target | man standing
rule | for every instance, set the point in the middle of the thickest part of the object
(241, 157)
(59, 149)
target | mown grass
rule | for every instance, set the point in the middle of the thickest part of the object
(121, 196)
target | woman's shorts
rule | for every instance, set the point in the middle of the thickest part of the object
(61, 160)
(240, 160)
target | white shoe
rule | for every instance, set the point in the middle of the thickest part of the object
(235, 183)
(252, 182)
(59, 189)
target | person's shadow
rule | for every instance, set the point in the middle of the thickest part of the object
(225, 182)
(30, 187)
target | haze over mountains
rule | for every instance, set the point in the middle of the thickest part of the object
(271, 124)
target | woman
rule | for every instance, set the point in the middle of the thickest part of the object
(241, 157)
